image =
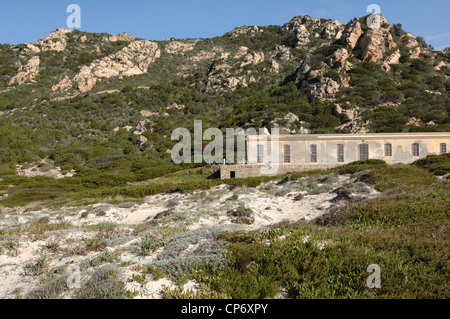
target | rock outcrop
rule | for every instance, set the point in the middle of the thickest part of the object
(242, 51)
(253, 59)
(351, 120)
(220, 75)
(332, 29)
(289, 124)
(274, 66)
(414, 121)
(55, 41)
(132, 60)
(339, 60)
(64, 85)
(305, 27)
(27, 72)
(351, 34)
(29, 48)
(375, 42)
(281, 52)
(175, 47)
(371, 44)
(376, 45)
(121, 37)
(441, 64)
(394, 58)
(325, 88)
(244, 30)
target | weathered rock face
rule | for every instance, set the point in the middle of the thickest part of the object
(220, 74)
(351, 34)
(142, 140)
(414, 121)
(27, 72)
(249, 31)
(375, 42)
(121, 37)
(326, 88)
(140, 128)
(326, 79)
(55, 41)
(241, 52)
(372, 43)
(176, 106)
(351, 120)
(338, 58)
(319, 86)
(175, 47)
(63, 85)
(203, 55)
(147, 113)
(344, 115)
(305, 27)
(85, 80)
(29, 48)
(281, 52)
(253, 59)
(332, 29)
(289, 124)
(302, 35)
(274, 66)
(441, 65)
(304, 67)
(413, 45)
(132, 60)
(392, 59)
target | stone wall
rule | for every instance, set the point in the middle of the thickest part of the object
(245, 171)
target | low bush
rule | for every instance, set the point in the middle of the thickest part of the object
(242, 215)
(105, 283)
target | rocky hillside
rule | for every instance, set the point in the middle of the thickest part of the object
(102, 97)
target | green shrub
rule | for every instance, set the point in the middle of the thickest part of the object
(105, 283)
(437, 164)
(242, 215)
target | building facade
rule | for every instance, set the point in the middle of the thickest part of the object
(273, 155)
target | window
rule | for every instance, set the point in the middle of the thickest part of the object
(313, 149)
(340, 153)
(387, 149)
(260, 158)
(363, 152)
(443, 148)
(232, 174)
(415, 149)
(287, 153)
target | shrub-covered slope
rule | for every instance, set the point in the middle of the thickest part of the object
(86, 99)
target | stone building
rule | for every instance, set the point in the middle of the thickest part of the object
(274, 155)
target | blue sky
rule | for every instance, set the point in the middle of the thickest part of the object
(29, 20)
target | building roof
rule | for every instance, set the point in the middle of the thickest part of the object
(354, 136)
